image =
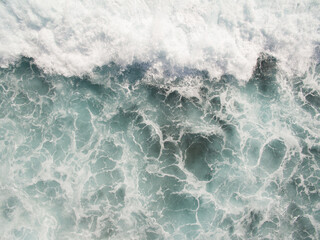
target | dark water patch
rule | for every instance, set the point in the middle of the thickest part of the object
(299, 131)
(156, 94)
(313, 98)
(132, 73)
(200, 153)
(227, 80)
(215, 103)
(109, 72)
(121, 121)
(294, 210)
(85, 85)
(30, 78)
(232, 136)
(172, 109)
(112, 72)
(315, 151)
(251, 223)
(303, 228)
(264, 82)
(135, 72)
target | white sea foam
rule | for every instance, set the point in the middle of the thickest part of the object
(72, 37)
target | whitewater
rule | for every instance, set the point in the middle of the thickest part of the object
(159, 119)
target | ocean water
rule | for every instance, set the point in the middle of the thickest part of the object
(159, 120)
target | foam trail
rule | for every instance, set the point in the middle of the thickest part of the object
(71, 38)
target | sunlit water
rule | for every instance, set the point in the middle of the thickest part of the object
(156, 148)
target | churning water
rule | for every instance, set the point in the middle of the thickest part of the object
(160, 120)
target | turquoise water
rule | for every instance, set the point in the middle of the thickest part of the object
(117, 155)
